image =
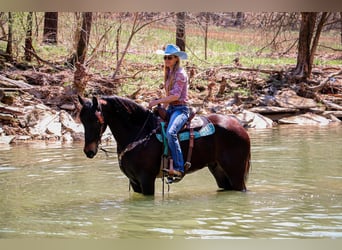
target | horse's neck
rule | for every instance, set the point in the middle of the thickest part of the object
(123, 131)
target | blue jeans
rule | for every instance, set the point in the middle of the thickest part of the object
(178, 117)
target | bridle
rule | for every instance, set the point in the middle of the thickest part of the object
(100, 118)
(131, 145)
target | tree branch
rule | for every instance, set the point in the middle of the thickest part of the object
(324, 82)
(39, 59)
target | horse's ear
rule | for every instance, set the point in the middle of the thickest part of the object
(80, 99)
(95, 103)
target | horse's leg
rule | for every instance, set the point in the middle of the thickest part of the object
(235, 170)
(220, 176)
(148, 184)
(145, 186)
(136, 187)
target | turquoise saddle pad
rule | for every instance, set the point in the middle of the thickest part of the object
(208, 129)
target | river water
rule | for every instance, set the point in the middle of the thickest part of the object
(51, 190)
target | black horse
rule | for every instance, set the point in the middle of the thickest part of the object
(226, 152)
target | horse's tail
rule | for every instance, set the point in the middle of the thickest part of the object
(247, 166)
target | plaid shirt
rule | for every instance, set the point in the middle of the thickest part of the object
(180, 85)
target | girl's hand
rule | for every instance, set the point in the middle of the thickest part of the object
(153, 103)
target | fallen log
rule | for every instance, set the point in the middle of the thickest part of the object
(6, 117)
(332, 105)
(335, 113)
(7, 82)
(273, 109)
(11, 110)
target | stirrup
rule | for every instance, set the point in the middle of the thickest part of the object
(169, 180)
(178, 178)
(173, 173)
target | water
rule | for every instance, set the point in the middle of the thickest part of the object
(51, 190)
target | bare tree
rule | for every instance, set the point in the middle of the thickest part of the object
(203, 20)
(310, 31)
(2, 28)
(50, 27)
(310, 27)
(28, 38)
(278, 29)
(207, 19)
(341, 26)
(180, 30)
(78, 58)
(82, 44)
(9, 47)
(239, 19)
(136, 27)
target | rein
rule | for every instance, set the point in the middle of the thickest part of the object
(136, 142)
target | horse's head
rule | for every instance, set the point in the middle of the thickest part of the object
(94, 125)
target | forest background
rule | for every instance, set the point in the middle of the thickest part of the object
(54, 56)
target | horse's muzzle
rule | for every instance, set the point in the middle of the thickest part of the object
(90, 154)
(90, 150)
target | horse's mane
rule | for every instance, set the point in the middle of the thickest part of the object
(127, 109)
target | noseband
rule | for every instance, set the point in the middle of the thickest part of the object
(100, 117)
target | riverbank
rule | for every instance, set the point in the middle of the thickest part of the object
(39, 105)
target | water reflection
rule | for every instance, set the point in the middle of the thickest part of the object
(295, 191)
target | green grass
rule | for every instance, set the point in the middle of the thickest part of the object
(221, 51)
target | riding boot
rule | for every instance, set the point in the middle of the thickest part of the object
(173, 176)
(173, 173)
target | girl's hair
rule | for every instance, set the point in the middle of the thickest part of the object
(170, 73)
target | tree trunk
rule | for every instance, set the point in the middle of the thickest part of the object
(80, 74)
(309, 36)
(84, 39)
(9, 48)
(341, 26)
(28, 38)
(239, 19)
(207, 19)
(303, 68)
(82, 44)
(322, 21)
(180, 30)
(117, 41)
(80, 78)
(50, 27)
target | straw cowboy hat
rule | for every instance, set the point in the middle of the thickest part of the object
(172, 49)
